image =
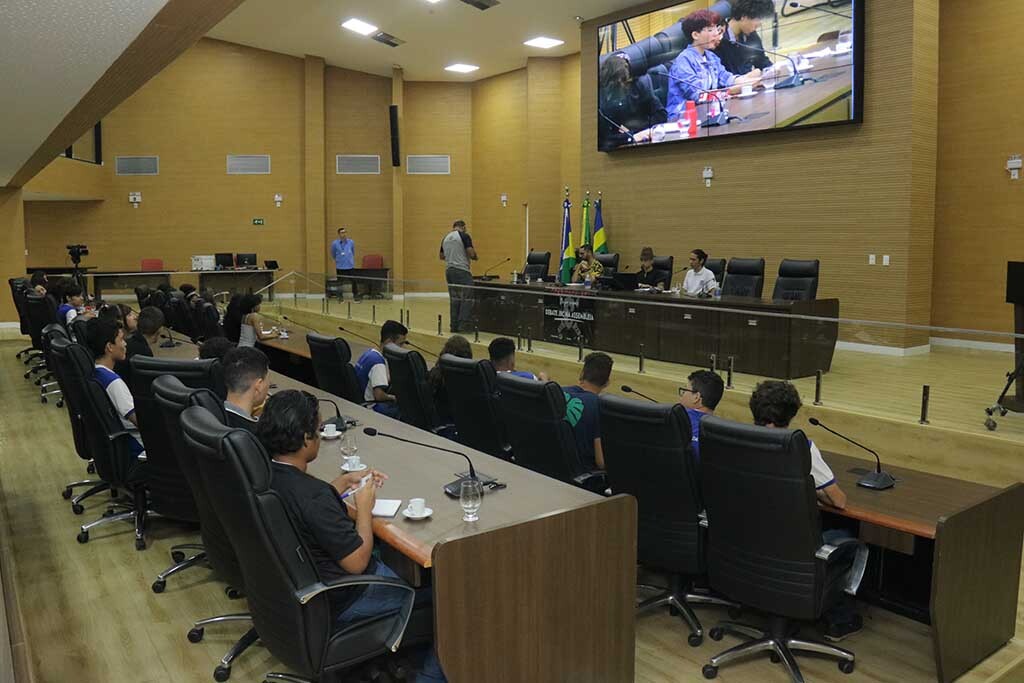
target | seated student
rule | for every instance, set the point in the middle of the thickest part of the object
(503, 357)
(246, 376)
(73, 301)
(251, 328)
(39, 283)
(215, 347)
(699, 280)
(372, 370)
(588, 265)
(774, 404)
(581, 408)
(457, 345)
(742, 50)
(105, 339)
(700, 399)
(338, 544)
(626, 105)
(648, 275)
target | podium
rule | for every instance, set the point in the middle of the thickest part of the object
(1015, 296)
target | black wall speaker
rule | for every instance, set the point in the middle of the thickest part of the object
(396, 154)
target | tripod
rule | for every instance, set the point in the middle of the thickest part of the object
(1002, 404)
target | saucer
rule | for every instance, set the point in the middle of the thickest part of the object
(408, 515)
(362, 466)
(324, 435)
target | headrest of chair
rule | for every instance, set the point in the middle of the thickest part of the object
(325, 343)
(652, 413)
(607, 260)
(170, 392)
(754, 443)
(797, 268)
(55, 331)
(393, 352)
(466, 366)
(538, 258)
(208, 438)
(746, 266)
(81, 359)
(184, 369)
(524, 388)
(665, 263)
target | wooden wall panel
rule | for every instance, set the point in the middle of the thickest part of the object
(12, 256)
(835, 194)
(570, 147)
(978, 209)
(313, 172)
(357, 123)
(545, 95)
(217, 99)
(69, 179)
(437, 120)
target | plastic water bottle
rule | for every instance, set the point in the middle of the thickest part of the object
(587, 281)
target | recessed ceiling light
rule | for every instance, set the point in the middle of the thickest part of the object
(359, 26)
(544, 43)
(433, 2)
(461, 68)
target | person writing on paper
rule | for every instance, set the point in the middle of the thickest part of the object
(588, 265)
(699, 280)
(337, 536)
(742, 51)
(626, 105)
(647, 274)
(698, 70)
(251, 329)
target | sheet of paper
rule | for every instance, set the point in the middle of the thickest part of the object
(385, 507)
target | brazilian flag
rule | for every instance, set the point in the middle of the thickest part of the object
(568, 248)
(600, 234)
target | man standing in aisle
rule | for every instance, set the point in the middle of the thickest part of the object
(343, 251)
(456, 252)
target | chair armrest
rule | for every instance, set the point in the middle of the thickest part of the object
(114, 436)
(703, 517)
(596, 481)
(394, 639)
(841, 550)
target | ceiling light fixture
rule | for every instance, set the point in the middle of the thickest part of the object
(461, 68)
(433, 2)
(359, 26)
(544, 43)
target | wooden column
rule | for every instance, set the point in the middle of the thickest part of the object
(397, 198)
(12, 236)
(313, 173)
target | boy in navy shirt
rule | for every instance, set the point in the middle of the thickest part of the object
(700, 399)
(581, 408)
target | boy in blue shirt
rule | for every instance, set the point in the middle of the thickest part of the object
(581, 408)
(106, 341)
(700, 399)
(372, 370)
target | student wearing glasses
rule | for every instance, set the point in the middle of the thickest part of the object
(700, 397)
(372, 370)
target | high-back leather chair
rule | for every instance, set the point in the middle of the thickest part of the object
(609, 261)
(332, 365)
(206, 320)
(288, 601)
(667, 265)
(744, 277)
(533, 414)
(472, 395)
(142, 293)
(180, 318)
(717, 268)
(764, 537)
(42, 311)
(537, 264)
(19, 288)
(409, 383)
(79, 330)
(647, 455)
(798, 280)
(49, 333)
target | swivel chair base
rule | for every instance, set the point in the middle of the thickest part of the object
(223, 670)
(682, 602)
(181, 563)
(775, 642)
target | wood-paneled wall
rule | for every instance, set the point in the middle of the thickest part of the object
(12, 235)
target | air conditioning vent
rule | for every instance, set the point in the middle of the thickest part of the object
(357, 164)
(482, 4)
(428, 164)
(248, 164)
(137, 165)
(388, 39)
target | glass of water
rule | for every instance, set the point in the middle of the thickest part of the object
(349, 445)
(470, 496)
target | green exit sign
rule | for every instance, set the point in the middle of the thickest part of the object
(257, 221)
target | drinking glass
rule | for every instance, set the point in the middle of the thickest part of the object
(470, 496)
(349, 445)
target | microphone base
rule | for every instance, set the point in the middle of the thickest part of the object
(878, 481)
(169, 344)
(794, 81)
(454, 489)
(342, 423)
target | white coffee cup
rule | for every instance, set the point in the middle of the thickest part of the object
(330, 429)
(748, 90)
(352, 462)
(417, 506)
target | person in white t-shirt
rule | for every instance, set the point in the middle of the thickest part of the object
(699, 280)
(106, 341)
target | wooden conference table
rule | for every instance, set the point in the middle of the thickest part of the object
(762, 337)
(234, 281)
(541, 588)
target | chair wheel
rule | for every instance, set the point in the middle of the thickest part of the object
(222, 673)
(77, 508)
(990, 424)
(716, 633)
(233, 593)
(60, 403)
(846, 667)
(709, 671)
(195, 634)
(90, 468)
(695, 640)
(83, 537)
(775, 658)
(1002, 412)
(66, 493)
(159, 585)
(140, 544)
(42, 399)
(177, 556)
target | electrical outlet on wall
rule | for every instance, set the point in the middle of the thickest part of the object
(885, 260)
(871, 259)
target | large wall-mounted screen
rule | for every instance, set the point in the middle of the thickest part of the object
(702, 69)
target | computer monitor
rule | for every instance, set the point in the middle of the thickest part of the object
(245, 260)
(223, 260)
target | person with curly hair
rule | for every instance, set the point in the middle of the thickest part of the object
(741, 49)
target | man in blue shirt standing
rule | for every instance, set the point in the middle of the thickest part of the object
(700, 399)
(698, 71)
(581, 408)
(343, 251)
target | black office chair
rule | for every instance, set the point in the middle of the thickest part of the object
(288, 600)
(50, 332)
(142, 293)
(79, 330)
(42, 311)
(537, 265)
(798, 280)
(647, 454)
(472, 393)
(332, 366)
(667, 265)
(744, 277)
(533, 414)
(409, 383)
(610, 262)
(764, 538)
(717, 268)
(180, 317)
(173, 397)
(19, 288)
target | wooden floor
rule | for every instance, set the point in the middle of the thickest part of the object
(88, 614)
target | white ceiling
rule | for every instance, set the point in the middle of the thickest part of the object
(436, 35)
(51, 54)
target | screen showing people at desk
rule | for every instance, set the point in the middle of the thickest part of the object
(692, 71)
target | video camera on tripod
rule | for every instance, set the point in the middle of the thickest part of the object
(76, 252)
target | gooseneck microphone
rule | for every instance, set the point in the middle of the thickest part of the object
(420, 348)
(296, 322)
(338, 421)
(371, 342)
(801, 6)
(626, 389)
(500, 263)
(450, 489)
(723, 117)
(791, 81)
(619, 128)
(878, 479)
(171, 341)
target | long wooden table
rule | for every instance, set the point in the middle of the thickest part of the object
(762, 337)
(233, 281)
(541, 588)
(958, 542)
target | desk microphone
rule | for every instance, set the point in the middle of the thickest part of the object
(801, 6)
(171, 341)
(619, 128)
(451, 489)
(626, 389)
(296, 322)
(873, 480)
(371, 342)
(338, 421)
(793, 80)
(500, 263)
(723, 117)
